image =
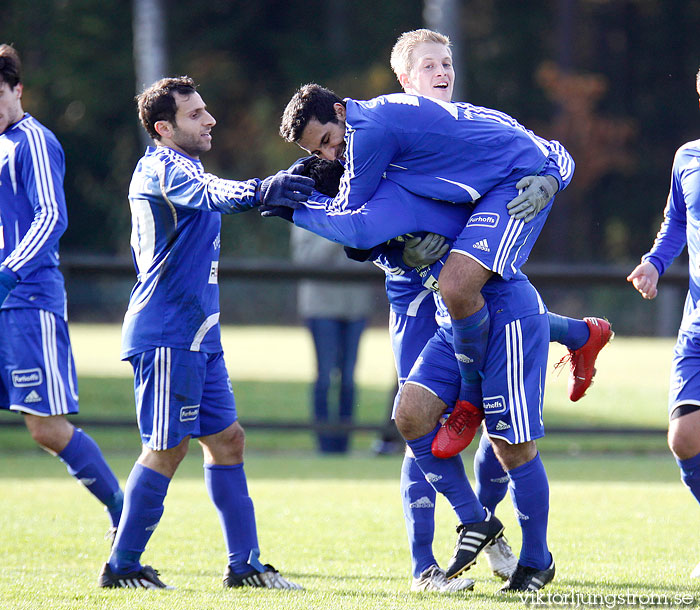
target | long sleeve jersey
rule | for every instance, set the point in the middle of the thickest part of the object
(175, 241)
(32, 215)
(454, 152)
(681, 226)
(392, 212)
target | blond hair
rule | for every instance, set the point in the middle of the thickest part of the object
(402, 53)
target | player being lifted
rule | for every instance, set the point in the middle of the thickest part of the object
(681, 227)
(441, 150)
(172, 338)
(38, 374)
(302, 114)
(422, 62)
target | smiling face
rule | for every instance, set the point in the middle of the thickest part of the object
(325, 140)
(10, 104)
(190, 133)
(431, 74)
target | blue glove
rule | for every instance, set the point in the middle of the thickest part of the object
(287, 189)
(7, 283)
(267, 211)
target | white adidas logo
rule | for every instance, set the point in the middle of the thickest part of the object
(423, 502)
(33, 396)
(521, 516)
(464, 358)
(482, 245)
(431, 477)
(501, 425)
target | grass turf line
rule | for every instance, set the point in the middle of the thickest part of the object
(335, 526)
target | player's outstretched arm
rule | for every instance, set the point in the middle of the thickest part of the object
(287, 189)
(645, 278)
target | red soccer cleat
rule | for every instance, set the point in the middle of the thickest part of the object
(583, 359)
(458, 430)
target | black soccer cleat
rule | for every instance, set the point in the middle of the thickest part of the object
(269, 579)
(145, 578)
(471, 539)
(526, 578)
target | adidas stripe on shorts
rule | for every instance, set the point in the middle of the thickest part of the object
(38, 372)
(685, 372)
(494, 238)
(181, 393)
(514, 376)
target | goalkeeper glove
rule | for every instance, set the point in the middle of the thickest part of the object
(535, 193)
(418, 252)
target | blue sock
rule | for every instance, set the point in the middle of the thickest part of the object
(144, 495)
(470, 338)
(448, 478)
(418, 498)
(690, 474)
(570, 332)
(85, 462)
(228, 490)
(529, 490)
(491, 480)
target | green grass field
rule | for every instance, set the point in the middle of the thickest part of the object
(617, 522)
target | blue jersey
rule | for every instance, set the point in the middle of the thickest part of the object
(507, 300)
(175, 244)
(681, 226)
(391, 212)
(404, 289)
(32, 215)
(447, 151)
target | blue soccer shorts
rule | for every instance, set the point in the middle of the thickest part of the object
(513, 376)
(685, 372)
(180, 393)
(38, 372)
(409, 335)
(495, 239)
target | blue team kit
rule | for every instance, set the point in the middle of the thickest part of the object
(681, 225)
(403, 153)
(171, 333)
(37, 375)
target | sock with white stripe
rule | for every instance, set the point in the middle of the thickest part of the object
(449, 478)
(570, 332)
(228, 490)
(491, 480)
(470, 338)
(144, 495)
(690, 474)
(418, 498)
(84, 460)
(529, 490)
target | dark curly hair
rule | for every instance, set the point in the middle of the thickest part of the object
(157, 103)
(10, 66)
(310, 102)
(326, 174)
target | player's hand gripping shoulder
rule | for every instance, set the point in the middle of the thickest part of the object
(287, 189)
(644, 278)
(535, 194)
(421, 251)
